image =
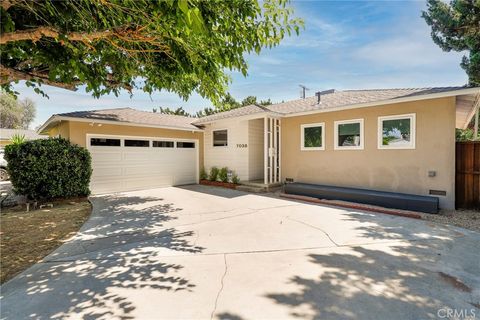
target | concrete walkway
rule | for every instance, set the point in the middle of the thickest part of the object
(207, 253)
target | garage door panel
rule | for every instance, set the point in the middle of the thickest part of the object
(117, 169)
(107, 171)
(141, 155)
(185, 179)
(148, 170)
(148, 182)
(105, 156)
(107, 186)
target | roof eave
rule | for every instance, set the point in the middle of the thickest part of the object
(258, 115)
(56, 118)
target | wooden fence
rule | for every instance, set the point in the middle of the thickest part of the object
(467, 175)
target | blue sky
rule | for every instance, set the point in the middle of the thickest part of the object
(345, 45)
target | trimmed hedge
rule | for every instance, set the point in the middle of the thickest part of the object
(49, 168)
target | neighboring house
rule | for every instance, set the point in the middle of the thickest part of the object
(400, 140)
(7, 134)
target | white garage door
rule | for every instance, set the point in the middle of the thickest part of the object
(133, 163)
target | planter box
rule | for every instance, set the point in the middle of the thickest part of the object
(228, 185)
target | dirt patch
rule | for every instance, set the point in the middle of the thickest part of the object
(27, 237)
(455, 282)
(468, 219)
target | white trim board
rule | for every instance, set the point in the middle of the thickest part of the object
(335, 137)
(302, 136)
(413, 131)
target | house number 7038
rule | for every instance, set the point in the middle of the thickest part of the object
(241, 145)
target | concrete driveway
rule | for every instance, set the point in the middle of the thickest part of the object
(206, 253)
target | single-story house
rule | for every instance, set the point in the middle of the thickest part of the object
(7, 134)
(400, 140)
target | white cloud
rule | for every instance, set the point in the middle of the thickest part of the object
(405, 52)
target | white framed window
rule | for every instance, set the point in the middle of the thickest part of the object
(349, 135)
(220, 138)
(396, 132)
(312, 136)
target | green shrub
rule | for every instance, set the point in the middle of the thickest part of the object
(203, 174)
(235, 179)
(49, 168)
(213, 174)
(18, 138)
(466, 135)
(223, 174)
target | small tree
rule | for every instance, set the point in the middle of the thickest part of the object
(456, 26)
(16, 113)
(49, 168)
(223, 174)
(213, 176)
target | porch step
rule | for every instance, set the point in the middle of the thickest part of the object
(255, 187)
(251, 189)
(260, 184)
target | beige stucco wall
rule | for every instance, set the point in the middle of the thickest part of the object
(231, 156)
(390, 170)
(62, 129)
(76, 132)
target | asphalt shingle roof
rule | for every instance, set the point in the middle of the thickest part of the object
(352, 97)
(329, 100)
(135, 117)
(237, 112)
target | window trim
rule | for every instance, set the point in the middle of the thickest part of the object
(213, 138)
(139, 139)
(302, 136)
(362, 135)
(413, 129)
(163, 140)
(106, 138)
(177, 147)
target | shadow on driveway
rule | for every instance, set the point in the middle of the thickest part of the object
(80, 278)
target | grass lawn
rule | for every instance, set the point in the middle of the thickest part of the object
(27, 237)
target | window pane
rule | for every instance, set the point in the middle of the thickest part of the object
(163, 144)
(349, 135)
(396, 132)
(220, 138)
(105, 142)
(185, 144)
(312, 137)
(137, 143)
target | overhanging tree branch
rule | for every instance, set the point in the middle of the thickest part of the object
(8, 75)
(49, 32)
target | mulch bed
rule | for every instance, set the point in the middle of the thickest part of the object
(228, 185)
(27, 237)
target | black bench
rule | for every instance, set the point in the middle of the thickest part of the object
(379, 198)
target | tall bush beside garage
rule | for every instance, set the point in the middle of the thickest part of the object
(49, 168)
